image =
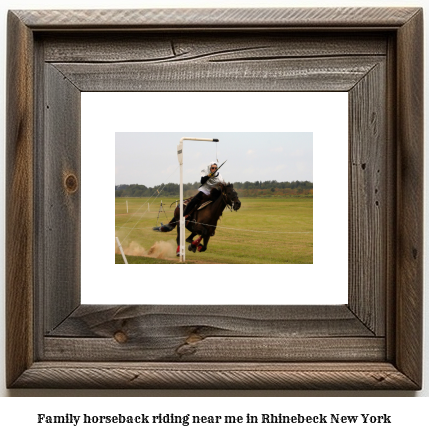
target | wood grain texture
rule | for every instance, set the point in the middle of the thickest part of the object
(213, 333)
(391, 192)
(368, 202)
(218, 18)
(39, 201)
(19, 200)
(193, 348)
(99, 321)
(224, 47)
(410, 199)
(61, 186)
(330, 74)
(215, 376)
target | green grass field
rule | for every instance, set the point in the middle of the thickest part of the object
(264, 230)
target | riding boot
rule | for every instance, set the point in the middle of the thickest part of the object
(163, 228)
(191, 205)
(215, 194)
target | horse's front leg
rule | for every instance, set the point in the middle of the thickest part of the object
(205, 237)
(191, 237)
(203, 247)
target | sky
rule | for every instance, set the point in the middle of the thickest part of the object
(150, 159)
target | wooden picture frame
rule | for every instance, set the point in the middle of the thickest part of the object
(373, 342)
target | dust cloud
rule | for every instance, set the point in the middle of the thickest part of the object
(163, 249)
(159, 250)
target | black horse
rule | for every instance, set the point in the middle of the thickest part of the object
(203, 222)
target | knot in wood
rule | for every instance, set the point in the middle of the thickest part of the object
(120, 337)
(71, 183)
(193, 337)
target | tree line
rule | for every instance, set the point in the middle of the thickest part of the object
(268, 187)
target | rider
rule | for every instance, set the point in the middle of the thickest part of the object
(210, 178)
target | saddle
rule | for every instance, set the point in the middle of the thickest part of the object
(205, 204)
(202, 206)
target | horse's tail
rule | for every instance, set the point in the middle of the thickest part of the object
(166, 227)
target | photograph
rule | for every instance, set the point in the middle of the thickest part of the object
(247, 191)
(247, 197)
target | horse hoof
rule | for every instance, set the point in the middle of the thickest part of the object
(192, 248)
(201, 248)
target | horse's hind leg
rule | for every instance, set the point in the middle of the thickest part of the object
(178, 241)
(190, 238)
(191, 246)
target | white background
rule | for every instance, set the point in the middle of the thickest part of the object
(19, 413)
(324, 114)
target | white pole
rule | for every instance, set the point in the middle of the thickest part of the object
(122, 251)
(127, 205)
(182, 218)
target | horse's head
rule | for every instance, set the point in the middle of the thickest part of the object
(231, 196)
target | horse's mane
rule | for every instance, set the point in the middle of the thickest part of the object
(224, 184)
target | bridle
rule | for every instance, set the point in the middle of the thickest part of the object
(225, 198)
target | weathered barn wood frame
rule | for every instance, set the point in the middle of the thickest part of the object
(373, 342)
